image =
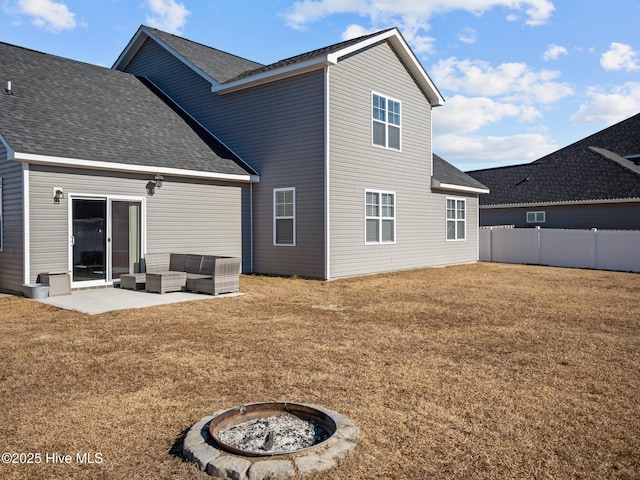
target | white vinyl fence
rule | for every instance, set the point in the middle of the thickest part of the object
(597, 249)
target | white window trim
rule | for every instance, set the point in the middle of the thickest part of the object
(535, 214)
(386, 122)
(276, 217)
(380, 217)
(455, 220)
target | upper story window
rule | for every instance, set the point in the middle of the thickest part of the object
(380, 217)
(284, 216)
(456, 219)
(386, 123)
(536, 217)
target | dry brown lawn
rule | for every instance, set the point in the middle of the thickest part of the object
(475, 371)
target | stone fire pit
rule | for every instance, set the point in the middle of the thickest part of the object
(269, 440)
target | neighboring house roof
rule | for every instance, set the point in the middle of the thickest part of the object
(592, 169)
(447, 177)
(228, 73)
(68, 112)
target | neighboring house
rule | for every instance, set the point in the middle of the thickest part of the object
(319, 165)
(593, 183)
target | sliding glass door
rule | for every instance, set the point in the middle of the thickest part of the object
(89, 239)
(126, 241)
(106, 239)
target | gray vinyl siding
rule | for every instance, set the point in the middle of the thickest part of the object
(356, 165)
(12, 254)
(276, 128)
(188, 216)
(618, 216)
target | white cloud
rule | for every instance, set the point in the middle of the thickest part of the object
(469, 152)
(410, 15)
(512, 81)
(167, 15)
(46, 14)
(464, 115)
(355, 31)
(468, 36)
(620, 57)
(609, 107)
(553, 52)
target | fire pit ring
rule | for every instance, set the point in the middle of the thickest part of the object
(334, 437)
(259, 413)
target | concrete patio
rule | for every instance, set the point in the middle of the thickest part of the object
(101, 300)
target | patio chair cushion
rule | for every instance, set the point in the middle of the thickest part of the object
(192, 263)
(157, 262)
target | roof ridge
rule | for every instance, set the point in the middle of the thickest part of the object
(309, 54)
(200, 44)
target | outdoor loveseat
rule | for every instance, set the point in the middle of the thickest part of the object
(174, 272)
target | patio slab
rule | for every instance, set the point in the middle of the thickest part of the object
(101, 300)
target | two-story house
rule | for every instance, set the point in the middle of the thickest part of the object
(319, 165)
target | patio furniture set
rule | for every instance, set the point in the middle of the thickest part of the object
(175, 272)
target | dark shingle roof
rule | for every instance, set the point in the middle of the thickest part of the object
(219, 65)
(572, 174)
(64, 108)
(444, 172)
(304, 57)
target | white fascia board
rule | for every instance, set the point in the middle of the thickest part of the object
(123, 167)
(10, 152)
(457, 188)
(560, 203)
(129, 51)
(271, 75)
(137, 41)
(416, 68)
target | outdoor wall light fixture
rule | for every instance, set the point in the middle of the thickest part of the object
(58, 193)
(153, 184)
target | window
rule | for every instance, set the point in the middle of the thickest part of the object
(535, 217)
(456, 219)
(284, 216)
(385, 116)
(380, 217)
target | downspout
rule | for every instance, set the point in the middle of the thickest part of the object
(26, 252)
(251, 226)
(327, 203)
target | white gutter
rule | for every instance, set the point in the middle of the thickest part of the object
(457, 188)
(123, 167)
(561, 203)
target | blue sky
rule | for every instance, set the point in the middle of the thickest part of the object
(522, 78)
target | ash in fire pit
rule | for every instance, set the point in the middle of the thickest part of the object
(265, 429)
(269, 440)
(276, 434)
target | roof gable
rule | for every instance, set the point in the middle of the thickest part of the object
(214, 65)
(228, 73)
(593, 168)
(63, 109)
